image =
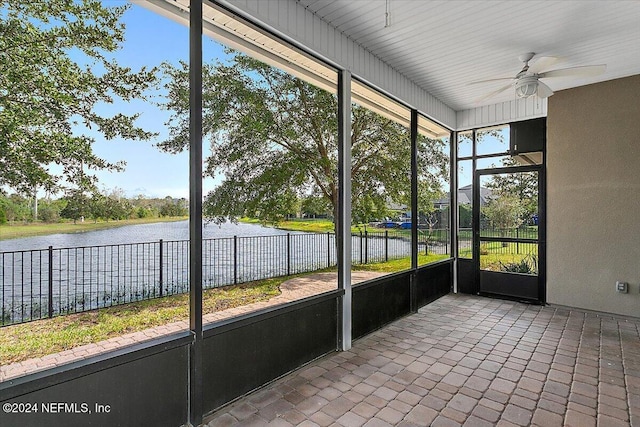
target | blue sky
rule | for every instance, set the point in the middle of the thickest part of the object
(150, 39)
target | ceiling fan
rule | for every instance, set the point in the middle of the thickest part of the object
(527, 81)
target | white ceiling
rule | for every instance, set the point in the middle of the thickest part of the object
(443, 45)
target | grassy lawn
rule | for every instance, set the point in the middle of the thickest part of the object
(15, 231)
(307, 225)
(325, 225)
(399, 264)
(493, 254)
(47, 336)
(310, 225)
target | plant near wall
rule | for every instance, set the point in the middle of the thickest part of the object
(527, 265)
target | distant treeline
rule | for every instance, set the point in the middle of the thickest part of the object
(106, 206)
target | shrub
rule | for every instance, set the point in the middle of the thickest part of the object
(527, 265)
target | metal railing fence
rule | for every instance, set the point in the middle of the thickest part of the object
(43, 283)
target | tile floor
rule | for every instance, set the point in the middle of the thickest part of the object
(465, 360)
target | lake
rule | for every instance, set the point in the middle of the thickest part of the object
(140, 233)
(95, 269)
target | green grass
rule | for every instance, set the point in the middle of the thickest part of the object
(325, 225)
(493, 254)
(47, 336)
(399, 264)
(306, 225)
(19, 230)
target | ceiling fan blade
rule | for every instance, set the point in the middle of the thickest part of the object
(542, 63)
(586, 71)
(494, 93)
(499, 79)
(544, 91)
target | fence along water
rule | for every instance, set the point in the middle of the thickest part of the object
(43, 283)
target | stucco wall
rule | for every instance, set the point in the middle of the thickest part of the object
(593, 206)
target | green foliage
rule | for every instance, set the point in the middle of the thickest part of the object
(369, 209)
(77, 205)
(48, 86)
(274, 140)
(117, 207)
(504, 212)
(527, 265)
(15, 207)
(49, 210)
(522, 185)
(465, 215)
(174, 207)
(142, 212)
(315, 206)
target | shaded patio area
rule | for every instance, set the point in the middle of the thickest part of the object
(465, 360)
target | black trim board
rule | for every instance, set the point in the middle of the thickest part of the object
(379, 302)
(434, 281)
(14, 388)
(239, 358)
(151, 390)
(512, 285)
(467, 276)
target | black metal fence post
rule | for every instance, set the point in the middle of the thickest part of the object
(288, 254)
(235, 260)
(366, 247)
(161, 278)
(328, 249)
(361, 260)
(386, 245)
(50, 282)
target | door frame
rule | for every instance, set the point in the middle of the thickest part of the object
(538, 294)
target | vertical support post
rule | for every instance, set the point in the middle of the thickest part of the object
(235, 260)
(343, 224)
(50, 279)
(288, 254)
(361, 249)
(475, 216)
(195, 211)
(386, 245)
(161, 277)
(453, 205)
(414, 211)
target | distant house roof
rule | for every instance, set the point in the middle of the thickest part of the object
(465, 196)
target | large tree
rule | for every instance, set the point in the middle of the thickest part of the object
(56, 66)
(274, 140)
